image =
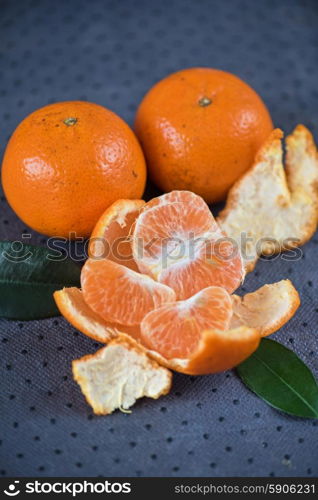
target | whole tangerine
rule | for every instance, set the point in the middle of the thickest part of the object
(200, 129)
(66, 163)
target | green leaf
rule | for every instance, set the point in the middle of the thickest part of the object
(28, 277)
(278, 376)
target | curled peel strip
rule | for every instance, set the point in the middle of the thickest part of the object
(270, 208)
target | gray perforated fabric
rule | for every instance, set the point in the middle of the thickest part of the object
(111, 52)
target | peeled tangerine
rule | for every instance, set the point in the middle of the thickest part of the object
(179, 314)
(275, 209)
(256, 314)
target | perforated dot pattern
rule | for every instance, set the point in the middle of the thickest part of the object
(111, 52)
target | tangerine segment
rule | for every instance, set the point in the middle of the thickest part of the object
(217, 263)
(179, 197)
(177, 241)
(164, 236)
(73, 307)
(119, 294)
(174, 330)
(111, 235)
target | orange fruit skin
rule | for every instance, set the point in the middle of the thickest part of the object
(111, 237)
(200, 129)
(59, 177)
(222, 351)
(73, 307)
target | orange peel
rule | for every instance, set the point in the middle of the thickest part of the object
(277, 209)
(218, 350)
(111, 235)
(119, 374)
(73, 307)
(267, 309)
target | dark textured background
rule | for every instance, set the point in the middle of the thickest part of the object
(111, 52)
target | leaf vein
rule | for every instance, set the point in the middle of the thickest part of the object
(288, 385)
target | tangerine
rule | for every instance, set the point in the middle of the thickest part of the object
(200, 129)
(66, 163)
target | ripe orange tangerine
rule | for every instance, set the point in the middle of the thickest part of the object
(200, 129)
(66, 163)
